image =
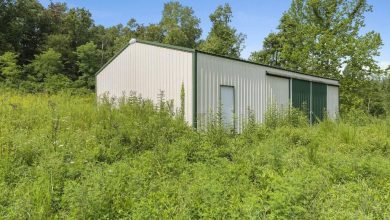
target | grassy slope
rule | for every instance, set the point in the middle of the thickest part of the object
(61, 156)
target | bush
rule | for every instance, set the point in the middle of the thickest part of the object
(63, 156)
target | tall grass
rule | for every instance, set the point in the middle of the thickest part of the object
(64, 156)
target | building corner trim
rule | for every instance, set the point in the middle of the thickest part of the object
(194, 90)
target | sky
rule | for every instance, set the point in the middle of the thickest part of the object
(254, 18)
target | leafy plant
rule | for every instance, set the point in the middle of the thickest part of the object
(63, 156)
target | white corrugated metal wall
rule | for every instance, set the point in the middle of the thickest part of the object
(254, 90)
(332, 101)
(249, 86)
(279, 93)
(147, 69)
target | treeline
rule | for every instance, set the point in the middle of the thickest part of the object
(325, 38)
(46, 49)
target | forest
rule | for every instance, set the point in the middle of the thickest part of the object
(63, 156)
(54, 48)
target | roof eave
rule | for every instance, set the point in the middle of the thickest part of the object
(185, 49)
(265, 65)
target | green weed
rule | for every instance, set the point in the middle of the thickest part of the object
(65, 156)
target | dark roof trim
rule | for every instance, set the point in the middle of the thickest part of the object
(276, 75)
(303, 78)
(144, 42)
(110, 60)
(199, 51)
(265, 65)
(166, 45)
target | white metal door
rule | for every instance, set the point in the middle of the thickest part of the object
(332, 101)
(227, 105)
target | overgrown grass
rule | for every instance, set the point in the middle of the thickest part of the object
(62, 156)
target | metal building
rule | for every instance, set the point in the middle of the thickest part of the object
(213, 83)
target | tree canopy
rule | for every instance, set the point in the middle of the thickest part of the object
(324, 38)
(321, 37)
(88, 63)
(10, 71)
(179, 25)
(223, 39)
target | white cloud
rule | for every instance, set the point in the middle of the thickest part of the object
(384, 64)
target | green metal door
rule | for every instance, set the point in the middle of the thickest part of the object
(318, 101)
(301, 95)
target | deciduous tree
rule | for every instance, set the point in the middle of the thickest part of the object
(223, 39)
(46, 64)
(324, 38)
(88, 61)
(10, 71)
(179, 25)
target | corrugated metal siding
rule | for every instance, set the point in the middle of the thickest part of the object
(279, 93)
(147, 69)
(311, 78)
(301, 95)
(249, 82)
(319, 101)
(332, 101)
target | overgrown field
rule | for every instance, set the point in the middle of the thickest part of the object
(62, 156)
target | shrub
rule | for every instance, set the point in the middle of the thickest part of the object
(64, 156)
